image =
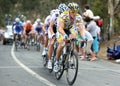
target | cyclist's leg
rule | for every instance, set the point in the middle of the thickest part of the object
(50, 49)
(45, 44)
(58, 53)
(19, 35)
(88, 50)
(46, 41)
(26, 38)
(14, 33)
(41, 38)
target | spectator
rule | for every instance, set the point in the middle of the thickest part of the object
(88, 12)
(92, 27)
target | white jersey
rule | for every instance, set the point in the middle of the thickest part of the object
(54, 17)
(35, 25)
(38, 27)
(47, 20)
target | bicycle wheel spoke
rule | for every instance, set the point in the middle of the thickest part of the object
(71, 72)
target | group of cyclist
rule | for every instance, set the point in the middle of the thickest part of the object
(62, 23)
(23, 30)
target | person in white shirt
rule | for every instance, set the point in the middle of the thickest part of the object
(88, 12)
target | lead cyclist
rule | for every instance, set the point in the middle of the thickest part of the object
(67, 20)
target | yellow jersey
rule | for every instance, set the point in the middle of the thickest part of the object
(64, 17)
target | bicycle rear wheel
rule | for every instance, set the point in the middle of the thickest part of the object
(45, 60)
(16, 45)
(38, 47)
(72, 70)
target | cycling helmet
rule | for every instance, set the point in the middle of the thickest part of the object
(63, 7)
(38, 20)
(52, 11)
(17, 20)
(73, 6)
(28, 22)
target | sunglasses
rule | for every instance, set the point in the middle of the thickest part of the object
(73, 11)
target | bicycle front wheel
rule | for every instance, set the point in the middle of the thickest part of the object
(59, 74)
(72, 70)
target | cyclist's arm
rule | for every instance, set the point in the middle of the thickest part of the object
(61, 27)
(24, 29)
(51, 26)
(81, 29)
(44, 27)
(32, 30)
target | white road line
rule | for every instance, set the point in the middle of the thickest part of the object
(43, 80)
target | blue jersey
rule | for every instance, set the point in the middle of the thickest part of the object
(18, 27)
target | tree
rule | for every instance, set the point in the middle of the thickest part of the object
(113, 6)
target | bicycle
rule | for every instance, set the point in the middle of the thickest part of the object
(45, 59)
(68, 61)
(38, 43)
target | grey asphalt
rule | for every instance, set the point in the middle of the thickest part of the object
(96, 73)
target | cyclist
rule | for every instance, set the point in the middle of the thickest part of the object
(17, 28)
(27, 30)
(38, 27)
(66, 21)
(52, 31)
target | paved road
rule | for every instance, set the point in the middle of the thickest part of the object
(24, 68)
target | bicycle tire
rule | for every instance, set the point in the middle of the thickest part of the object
(45, 60)
(38, 47)
(16, 45)
(75, 57)
(59, 74)
(16, 48)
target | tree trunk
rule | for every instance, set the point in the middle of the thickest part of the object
(111, 13)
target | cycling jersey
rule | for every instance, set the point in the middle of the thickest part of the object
(38, 27)
(54, 18)
(65, 18)
(28, 27)
(18, 27)
(68, 27)
(47, 21)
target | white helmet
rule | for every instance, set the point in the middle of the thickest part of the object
(63, 7)
(38, 20)
(17, 20)
(28, 22)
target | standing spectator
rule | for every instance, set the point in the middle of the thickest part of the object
(92, 27)
(88, 12)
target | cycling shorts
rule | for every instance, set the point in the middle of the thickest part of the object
(38, 30)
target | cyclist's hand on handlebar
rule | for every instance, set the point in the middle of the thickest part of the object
(65, 36)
